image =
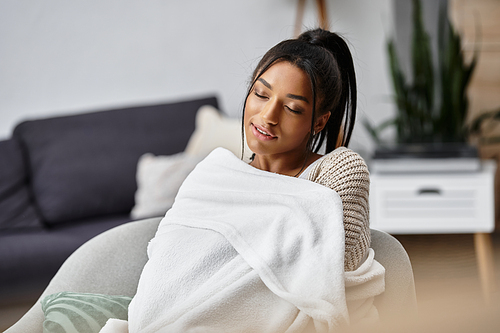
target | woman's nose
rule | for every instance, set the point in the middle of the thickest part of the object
(270, 113)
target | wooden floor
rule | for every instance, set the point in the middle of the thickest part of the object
(449, 294)
(446, 281)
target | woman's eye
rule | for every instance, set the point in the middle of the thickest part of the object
(259, 95)
(293, 111)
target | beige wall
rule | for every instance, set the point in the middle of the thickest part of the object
(479, 21)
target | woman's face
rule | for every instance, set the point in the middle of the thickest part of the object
(278, 111)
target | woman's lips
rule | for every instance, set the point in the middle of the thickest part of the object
(262, 134)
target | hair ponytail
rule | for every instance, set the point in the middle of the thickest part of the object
(339, 128)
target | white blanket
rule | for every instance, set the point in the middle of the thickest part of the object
(243, 250)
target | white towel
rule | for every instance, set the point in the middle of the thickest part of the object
(115, 326)
(244, 250)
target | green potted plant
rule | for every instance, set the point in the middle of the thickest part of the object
(432, 107)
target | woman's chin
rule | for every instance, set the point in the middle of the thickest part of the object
(258, 149)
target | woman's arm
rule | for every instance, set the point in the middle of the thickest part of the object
(346, 172)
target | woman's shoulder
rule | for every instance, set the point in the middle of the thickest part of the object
(345, 172)
(339, 164)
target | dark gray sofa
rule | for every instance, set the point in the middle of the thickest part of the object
(64, 180)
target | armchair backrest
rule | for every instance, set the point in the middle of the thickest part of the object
(399, 299)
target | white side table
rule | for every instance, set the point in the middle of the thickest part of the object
(430, 203)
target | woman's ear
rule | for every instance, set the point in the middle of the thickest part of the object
(321, 122)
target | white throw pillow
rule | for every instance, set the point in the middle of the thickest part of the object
(158, 181)
(215, 130)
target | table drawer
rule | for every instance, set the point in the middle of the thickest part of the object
(433, 203)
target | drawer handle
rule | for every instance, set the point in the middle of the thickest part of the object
(427, 191)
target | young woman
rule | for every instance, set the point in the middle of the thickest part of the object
(261, 247)
(303, 96)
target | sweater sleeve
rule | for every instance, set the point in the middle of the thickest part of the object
(346, 172)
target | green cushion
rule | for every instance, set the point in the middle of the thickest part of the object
(67, 312)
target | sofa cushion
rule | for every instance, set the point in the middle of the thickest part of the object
(28, 260)
(158, 181)
(16, 210)
(85, 165)
(214, 130)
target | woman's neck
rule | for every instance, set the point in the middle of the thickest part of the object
(284, 165)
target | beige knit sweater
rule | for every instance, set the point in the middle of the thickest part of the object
(346, 172)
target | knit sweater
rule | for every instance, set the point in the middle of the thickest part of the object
(346, 172)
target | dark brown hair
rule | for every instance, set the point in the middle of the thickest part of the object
(325, 57)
